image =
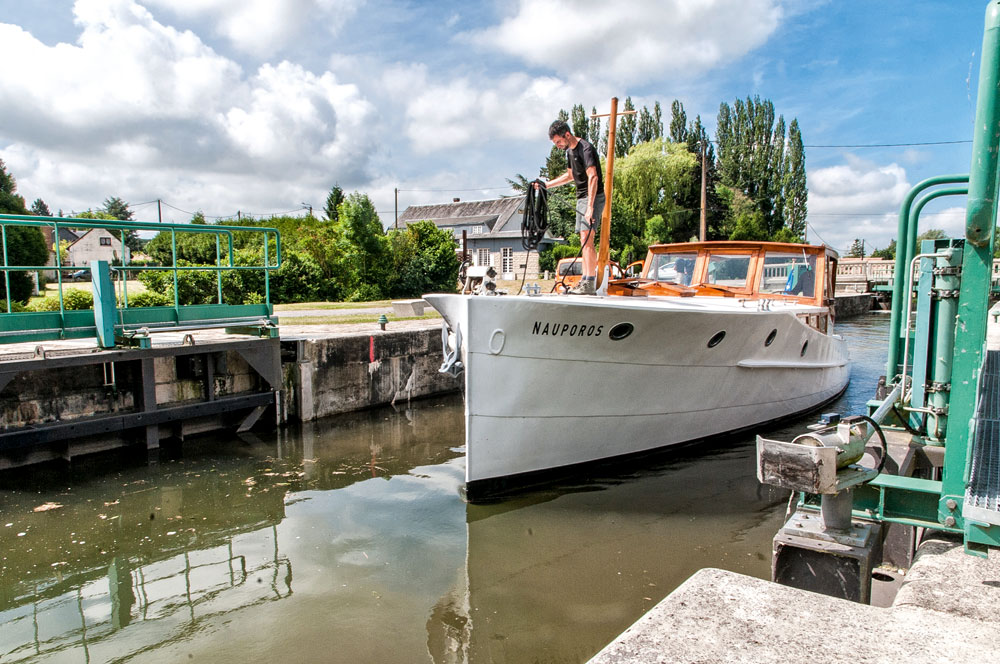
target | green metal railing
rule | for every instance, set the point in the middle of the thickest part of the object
(66, 324)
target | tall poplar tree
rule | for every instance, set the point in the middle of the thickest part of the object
(580, 123)
(794, 190)
(678, 122)
(751, 159)
(625, 133)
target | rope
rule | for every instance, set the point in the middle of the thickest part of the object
(536, 216)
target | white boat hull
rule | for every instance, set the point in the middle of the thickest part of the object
(548, 385)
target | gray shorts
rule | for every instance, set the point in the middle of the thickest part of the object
(581, 209)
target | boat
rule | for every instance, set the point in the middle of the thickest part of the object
(713, 337)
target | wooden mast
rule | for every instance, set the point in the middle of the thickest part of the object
(609, 176)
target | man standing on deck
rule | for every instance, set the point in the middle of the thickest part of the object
(585, 172)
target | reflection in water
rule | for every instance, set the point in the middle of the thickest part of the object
(194, 558)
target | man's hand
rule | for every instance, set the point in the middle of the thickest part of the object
(535, 184)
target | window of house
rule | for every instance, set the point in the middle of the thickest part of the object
(105, 242)
(507, 259)
(477, 230)
(483, 257)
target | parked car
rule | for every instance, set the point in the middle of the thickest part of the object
(79, 275)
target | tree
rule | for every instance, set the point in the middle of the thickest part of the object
(25, 244)
(751, 143)
(889, 253)
(795, 195)
(857, 249)
(595, 131)
(40, 209)
(119, 209)
(625, 133)
(333, 201)
(364, 247)
(650, 181)
(580, 123)
(930, 234)
(678, 122)
(424, 260)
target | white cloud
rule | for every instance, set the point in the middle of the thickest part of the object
(263, 26)
(858, 199)
(141, 110)
(632, 40)
(442, 116)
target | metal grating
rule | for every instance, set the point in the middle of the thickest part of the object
(982, 497)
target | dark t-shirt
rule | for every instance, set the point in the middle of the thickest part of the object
(580, 158)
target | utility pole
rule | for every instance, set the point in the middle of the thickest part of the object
(159, 211)
(395, 191)
(703, 233)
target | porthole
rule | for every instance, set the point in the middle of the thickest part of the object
(770, 338)
(804, 347)
(717, 339)
(620, 331)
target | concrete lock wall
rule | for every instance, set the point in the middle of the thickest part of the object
(848, 306)
(344, 373)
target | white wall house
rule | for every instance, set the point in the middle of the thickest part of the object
(493, 231)
(97, 244)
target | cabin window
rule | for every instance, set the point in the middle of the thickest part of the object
(572, 267)
(729, 270)
(789, 273)
(674, 267)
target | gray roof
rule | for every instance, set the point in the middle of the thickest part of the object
(502, 216)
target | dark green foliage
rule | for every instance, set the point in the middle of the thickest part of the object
(40, 209)
(148, 299)
(888, 253)
(752, 160)
(625, 134)
(424, 260)
(857, 249)
(119, 209)
(580, 123)
(678, 122)
(25, 245)
(333, 201)
(195, 248)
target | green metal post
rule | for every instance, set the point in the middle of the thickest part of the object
(104, 303)
(973, 302)
(905, 251)
(946, 282)
(6, 273)
(218, 263)
(177, 296)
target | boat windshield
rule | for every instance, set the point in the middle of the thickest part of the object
(571, 268)
(728, 269)
(788, 273)
(674, 267)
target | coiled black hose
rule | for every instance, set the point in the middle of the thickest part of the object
(535, 221)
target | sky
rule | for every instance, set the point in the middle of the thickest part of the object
(261, 106)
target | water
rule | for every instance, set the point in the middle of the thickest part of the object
(347, 541)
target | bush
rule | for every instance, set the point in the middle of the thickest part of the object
(149, 299)
(76, 299)
(15, 307)
(47, 303)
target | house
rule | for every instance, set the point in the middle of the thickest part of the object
(66, 238)
(97, 244)
(492, 229)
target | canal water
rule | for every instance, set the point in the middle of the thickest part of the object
(347, 540)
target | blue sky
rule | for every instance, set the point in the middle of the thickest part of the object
(261, 106)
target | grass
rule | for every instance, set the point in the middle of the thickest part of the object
(304, 306)
(352, 319)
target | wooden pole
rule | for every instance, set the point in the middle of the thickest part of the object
(609, 176)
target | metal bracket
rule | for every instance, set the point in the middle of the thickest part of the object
(939, 411)
(950, 270)
(934, 386)
(944, 293)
